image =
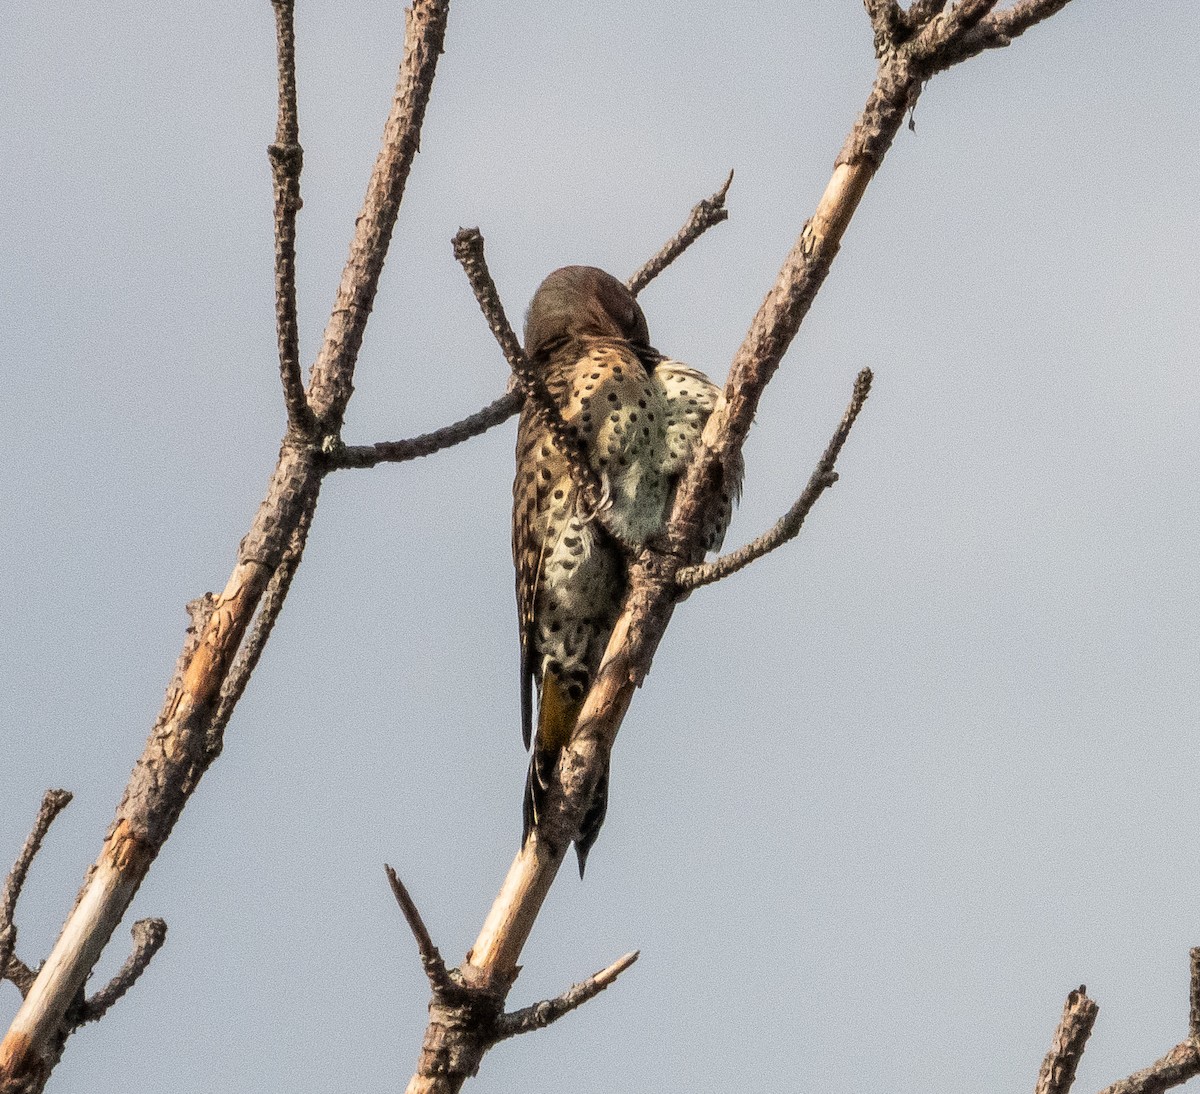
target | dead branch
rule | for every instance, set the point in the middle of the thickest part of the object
(468, 249)
(178, 751)
(1182, 1062)
(1066, 1049)
(705, 214)
(148, 938)
(264, 622)
(466, 1020)
(654, 590)
(11, 967)
(287, 161)
(431, 958)
(369, 455)
(961, 38)
(333, 373)
(548, 1011)
(788, 526)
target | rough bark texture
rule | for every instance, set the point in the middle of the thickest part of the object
(1066, 1050)
(492, 963)
(178, 750)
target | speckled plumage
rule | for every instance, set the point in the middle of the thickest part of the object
(637, 417)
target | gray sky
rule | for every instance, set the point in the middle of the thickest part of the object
(884, 799)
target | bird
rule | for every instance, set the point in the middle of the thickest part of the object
(637, 417)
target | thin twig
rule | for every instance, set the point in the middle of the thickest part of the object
(287, 161)
(53, 803)
(431, 959)
(333, 373)
(468, 249)
(705, 214)
(788, 526)
(1021, 16)
(540, 1015)
(1066, 1049)
(148, 937)
(12, 968)
(369, 455)
(264, 622)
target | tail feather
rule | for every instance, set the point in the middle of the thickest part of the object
(557, 716)
(593, 821)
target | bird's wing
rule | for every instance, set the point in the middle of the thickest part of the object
(528, 543)
(690, 398)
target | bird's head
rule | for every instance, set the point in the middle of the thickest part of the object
(578, 302)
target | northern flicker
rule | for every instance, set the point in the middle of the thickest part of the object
(638, 417)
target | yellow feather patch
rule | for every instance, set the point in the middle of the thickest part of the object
(556, 716)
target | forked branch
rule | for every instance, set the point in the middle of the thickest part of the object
(287, 160)
(654, 590)
(180, 746)
(466, 1019)
(468, 247)
(1079, 1015)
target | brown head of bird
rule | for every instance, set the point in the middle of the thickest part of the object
(576, 303)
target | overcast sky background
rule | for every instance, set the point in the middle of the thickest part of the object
(885, 798)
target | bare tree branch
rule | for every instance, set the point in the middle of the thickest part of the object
(540, 1015)
(1194, 993)
(1020, 17)
(11, 967)
(333, 373)
(369, 455)
(431, 959)
(148, 938)
(287, 161)
(920, 12)
(53, 803)
(264, 622)
(788, 526)
(468, 249)
(887, 21)
(1183, 1061)
(1175, 1068)
(995, 31)
(1066, 1049)
(178, 751)
(654, 591)
(705, 214)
